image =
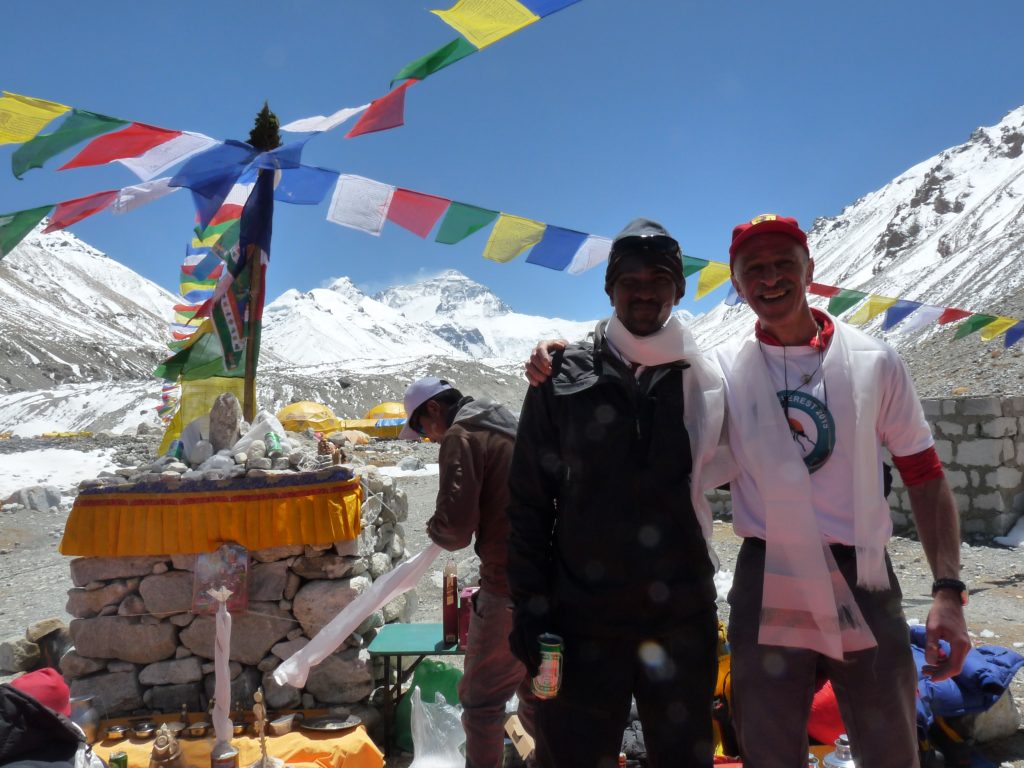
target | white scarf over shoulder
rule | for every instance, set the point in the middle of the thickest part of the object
(703, 406)
(806, 601)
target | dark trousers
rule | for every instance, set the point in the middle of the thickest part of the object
(772, 686)
(672, 675)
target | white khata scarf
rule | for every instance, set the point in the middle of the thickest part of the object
(806, 601)
(672, 342)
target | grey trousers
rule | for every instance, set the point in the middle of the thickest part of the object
(772, 686)
(491, 675)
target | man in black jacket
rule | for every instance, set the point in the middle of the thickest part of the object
(608, 524)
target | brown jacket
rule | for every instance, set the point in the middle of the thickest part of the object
(473, 496)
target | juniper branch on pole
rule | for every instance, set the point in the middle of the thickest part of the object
(265, 134)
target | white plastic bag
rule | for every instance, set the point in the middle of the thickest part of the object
(263, 423)
(437, 733)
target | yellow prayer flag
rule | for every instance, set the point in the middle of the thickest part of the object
(22, 117)
(870, 309)
(511, 236)
(207, 242)
(483, 22)
(712, 276)
(996, 327)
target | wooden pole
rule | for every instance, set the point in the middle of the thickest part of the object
(256, 280)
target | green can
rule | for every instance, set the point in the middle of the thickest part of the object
(273, 443)
(549, 676)
(118, 759)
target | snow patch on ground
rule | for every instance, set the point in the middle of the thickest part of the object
(427, 471)
(1014, 538)
(51, 466)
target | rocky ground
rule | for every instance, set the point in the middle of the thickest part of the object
(34, 577)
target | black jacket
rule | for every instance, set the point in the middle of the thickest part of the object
(602, 528)
(34, 735)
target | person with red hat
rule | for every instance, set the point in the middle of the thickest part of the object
(811, 403)
(609, 543)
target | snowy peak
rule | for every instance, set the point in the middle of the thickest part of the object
(343, 286)
(451, 294)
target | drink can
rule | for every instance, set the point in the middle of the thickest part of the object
(273, 443)
(176, 449)
(118, 759)
(549, 676)
(225, 758)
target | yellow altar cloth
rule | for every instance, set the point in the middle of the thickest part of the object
(157, 519)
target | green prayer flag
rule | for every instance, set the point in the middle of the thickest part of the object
(200, 360)
(461, 221)
(14, 226)
(972, 324)
(692, 266)
(843, 300)
(77, 127)
(423, 67)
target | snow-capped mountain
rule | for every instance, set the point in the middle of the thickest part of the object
(947, 232)
(70, 313)
(472, 319)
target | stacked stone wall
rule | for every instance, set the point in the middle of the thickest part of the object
(139, 649)
(980, 441)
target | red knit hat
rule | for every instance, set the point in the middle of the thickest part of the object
(759, 225)
(47, 687)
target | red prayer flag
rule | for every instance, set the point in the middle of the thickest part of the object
(416, 211)
(135, 140)
(383, 113)
(951, 315)
(227, 212)
(820, 289)
(70, 211)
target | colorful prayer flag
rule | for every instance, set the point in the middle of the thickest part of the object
(22, 117)
(319, 123)
(951, 315)
(511, 236)
(199, 357)
(484, 22)
(556, 249)
(692, 266)
(423, 67)
(386, 112)
(130, 198)
(169, 153)
(461, 221)
(305, 185)
(546, 7)
(712, 276)
(972, 324)
(996, 327)
(925, 314)
(211, 175)
(70, 211)
(870, 309)
(14, 226)
(132, 141)
(820, 289)
(360, 203)
(416, 211)
(899, 312)
(78, 126)
(593, 251)
(1013, 335)
(843, 300)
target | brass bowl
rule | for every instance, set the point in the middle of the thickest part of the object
(238, 729)
(144, 729)
(175, 727)
(197, 729)
(117, 732)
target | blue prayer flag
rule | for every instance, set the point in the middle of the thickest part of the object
(546, 7)
(1014, 334)
(305, 185)
(899, 312)
(288, 156)
(556, 248)
(211, 174)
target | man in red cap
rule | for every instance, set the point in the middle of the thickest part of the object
(608, 545)
(811, 403)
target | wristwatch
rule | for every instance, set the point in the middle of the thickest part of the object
(955, 584)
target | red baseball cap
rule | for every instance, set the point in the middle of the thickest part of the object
(46, 686)
(760, 225)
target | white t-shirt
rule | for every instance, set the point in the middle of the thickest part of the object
(823, 430)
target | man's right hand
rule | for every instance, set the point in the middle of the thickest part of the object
(538, 367)
(526, 628)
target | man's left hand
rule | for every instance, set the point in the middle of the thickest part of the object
(946, 622)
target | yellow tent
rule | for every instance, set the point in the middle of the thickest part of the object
(386, 411)
(306, 414)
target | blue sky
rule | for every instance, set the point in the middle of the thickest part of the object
(698, 114)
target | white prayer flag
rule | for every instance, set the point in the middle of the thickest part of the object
(592, 251)
(163, 156)
(130, 198)
(360, 203)
(320, 123)
(926, 314)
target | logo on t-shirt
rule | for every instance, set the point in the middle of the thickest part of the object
(811, 425)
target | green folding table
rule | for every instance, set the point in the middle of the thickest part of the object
(396, 641)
